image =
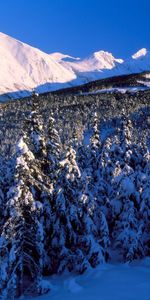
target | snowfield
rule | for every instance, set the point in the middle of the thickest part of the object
(106, 282)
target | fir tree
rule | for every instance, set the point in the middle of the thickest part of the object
(37, 136)
(95, 226)
(94, 147)
(129, 233)
(54, 148)
(65, 219)
(21, 248)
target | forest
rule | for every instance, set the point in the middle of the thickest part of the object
(74, 186)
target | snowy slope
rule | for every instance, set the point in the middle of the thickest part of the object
(23, 68)
(108, 282)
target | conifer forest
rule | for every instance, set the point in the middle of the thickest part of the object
(74, 186)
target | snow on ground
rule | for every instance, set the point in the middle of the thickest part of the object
(106, 282)
(146, 83)
(147, 76)
(130, 89)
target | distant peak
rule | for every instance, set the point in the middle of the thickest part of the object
(102, 53)
(140, 53)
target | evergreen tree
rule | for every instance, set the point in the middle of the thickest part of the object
(94, 147)
(65, 217)
(95, 226)
(125, 131)
(78, 233)
(37, 136)
(128, 232)
(107, 167)
(21, 247)
(54, 148)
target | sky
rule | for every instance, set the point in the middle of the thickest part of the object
(79, 27)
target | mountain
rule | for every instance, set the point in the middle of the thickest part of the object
(23, 68)
(90, 68)
(103, 64)
(98, 61)
(139, 62)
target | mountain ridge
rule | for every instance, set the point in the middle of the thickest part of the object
(24, 68)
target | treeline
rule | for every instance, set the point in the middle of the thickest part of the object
(69, 208)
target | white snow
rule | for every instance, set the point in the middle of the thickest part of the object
(23, 149)
(130, 89)
(57, 56)
(141, 52)
(106, 282)
(145, 83)
(147, 75)
(102, 64)
(24, 68)
(96, 62)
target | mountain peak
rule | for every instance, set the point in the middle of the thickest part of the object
(102, 54)
(140, 53)
(102, 60)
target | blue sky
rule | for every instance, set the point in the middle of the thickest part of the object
(79, 27)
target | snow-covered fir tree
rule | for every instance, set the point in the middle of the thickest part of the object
(93, 150)
(78, 233)
(37, 134)
(95, 225)
(21, 242)
(94, 147)
(107, 162)
(65, 221)
(54, 148)
(127, 232)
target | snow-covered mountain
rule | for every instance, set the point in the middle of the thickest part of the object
(97, 61)
(23, 68)
(90, 68)
(103, 64)
(139, 62)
